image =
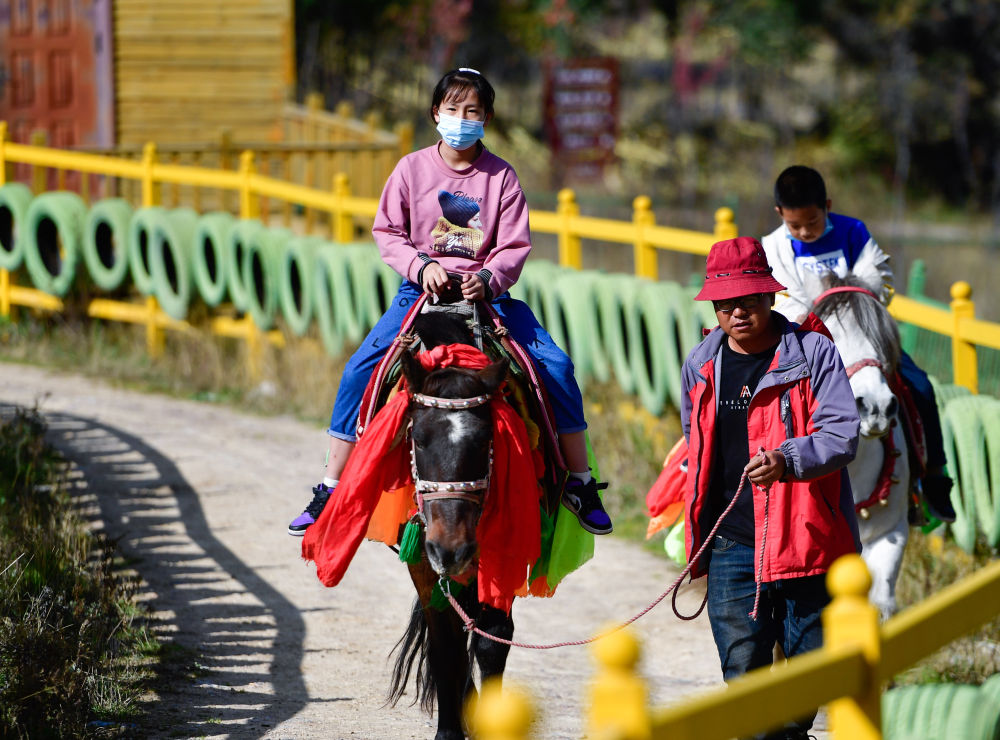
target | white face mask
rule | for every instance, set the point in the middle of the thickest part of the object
(459, 133)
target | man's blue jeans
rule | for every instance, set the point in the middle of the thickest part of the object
(788, 614)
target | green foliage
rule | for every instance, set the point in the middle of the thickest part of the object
(929, 564)
(71, 641)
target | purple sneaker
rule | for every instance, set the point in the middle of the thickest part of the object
(299, 525)
(584, 501)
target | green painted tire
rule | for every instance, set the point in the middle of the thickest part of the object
(365, 267)
(334, 303)
(963, 529)
(241, 235)
(296, 284)
(971, 490)
(535, 279)
(261, 268)
(655, 336)
(53, 242)
(15, 198)
(387, 285)
(140, 245)
(569, 320)
(615, 304)
(170, 261)
(208, 256)
(576, 292)
(105, 242)
(989, 417)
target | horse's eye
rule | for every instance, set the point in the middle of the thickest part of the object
(892, 407)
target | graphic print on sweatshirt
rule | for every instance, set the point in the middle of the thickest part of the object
(459, 230)
(820, 264)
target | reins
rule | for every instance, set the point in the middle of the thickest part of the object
(470, 624)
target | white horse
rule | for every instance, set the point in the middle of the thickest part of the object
(868, 340)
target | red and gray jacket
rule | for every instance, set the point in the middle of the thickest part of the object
(804, 407)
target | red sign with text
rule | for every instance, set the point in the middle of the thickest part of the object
(581, 115)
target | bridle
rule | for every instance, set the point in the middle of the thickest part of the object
(430, 490)
(886, 478)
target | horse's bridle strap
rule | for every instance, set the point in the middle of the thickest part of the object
(860, 364)
(445, 489)
(450, 404)
(844, 289)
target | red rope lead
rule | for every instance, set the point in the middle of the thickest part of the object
(470, 624)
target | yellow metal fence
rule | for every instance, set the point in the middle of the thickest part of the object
(848, 674)
(338, 211)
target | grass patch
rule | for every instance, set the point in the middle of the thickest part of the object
(75, 651)
(929, 564)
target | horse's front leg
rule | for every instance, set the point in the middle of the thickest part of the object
(490, 654)
(884, 557)
(448, 657)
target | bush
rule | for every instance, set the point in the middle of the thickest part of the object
(70, 637)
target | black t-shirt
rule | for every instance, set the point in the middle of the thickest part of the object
(738, 380)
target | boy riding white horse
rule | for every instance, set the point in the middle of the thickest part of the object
(813, 242)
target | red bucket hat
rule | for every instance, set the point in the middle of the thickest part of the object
(737, 267)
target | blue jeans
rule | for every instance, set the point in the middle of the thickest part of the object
(788, 614)
(554, 366)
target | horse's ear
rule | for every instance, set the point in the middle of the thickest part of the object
(413, 371)
(495, 374)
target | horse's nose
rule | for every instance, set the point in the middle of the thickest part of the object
(447, 560)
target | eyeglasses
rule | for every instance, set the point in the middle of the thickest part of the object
(746, 302)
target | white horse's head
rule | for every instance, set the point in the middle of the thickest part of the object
(868, 341)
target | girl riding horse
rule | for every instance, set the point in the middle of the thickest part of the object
(455, 207)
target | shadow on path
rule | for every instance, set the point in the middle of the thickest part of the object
(242, 640)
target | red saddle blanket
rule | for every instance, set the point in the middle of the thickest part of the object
(378, 476)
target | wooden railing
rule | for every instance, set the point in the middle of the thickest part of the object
(847, 674)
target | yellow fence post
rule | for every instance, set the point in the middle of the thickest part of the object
(249, 204)
(500, 714)
(5, 283)
(155, 336)
(254, 349)
(341, 224)
(725, 224)
(569, 243)
(963, 353)
(3, 152)
(39, 174)
(618, 695)
(404, 132)
(150, 193)
(851, 620)
(314, 102)
(644, 253)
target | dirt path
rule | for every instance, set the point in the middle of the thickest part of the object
(201, 496)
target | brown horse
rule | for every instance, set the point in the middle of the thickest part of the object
(451, 436)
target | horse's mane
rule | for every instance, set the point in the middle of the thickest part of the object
(873, 319)
(441, 327)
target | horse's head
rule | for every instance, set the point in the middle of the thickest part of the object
(451, 437)
(868, 341)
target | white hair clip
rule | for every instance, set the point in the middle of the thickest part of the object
(470, 69)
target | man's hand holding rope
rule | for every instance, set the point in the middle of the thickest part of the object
(766, 467)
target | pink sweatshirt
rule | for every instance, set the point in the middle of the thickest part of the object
(478, 225)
